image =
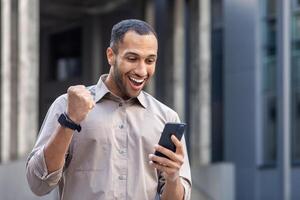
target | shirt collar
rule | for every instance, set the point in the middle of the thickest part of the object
(102, 90)
(142, 99)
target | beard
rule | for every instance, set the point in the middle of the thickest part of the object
(120, 83)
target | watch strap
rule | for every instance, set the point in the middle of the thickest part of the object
(65, 121)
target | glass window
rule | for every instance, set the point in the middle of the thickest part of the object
(270, 38)
(296, 127)
(295, 91)
(298, 3)
(217, 33)
(296, 27)
(268, 8)
(271, 7)
(269, 71)
(269, 62)
(65, 48)
(269, 139)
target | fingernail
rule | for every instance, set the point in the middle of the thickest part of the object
(150, 156)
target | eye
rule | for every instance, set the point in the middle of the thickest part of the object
(131, 58)
(150, 60)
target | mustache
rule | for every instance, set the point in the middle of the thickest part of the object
(139, 76)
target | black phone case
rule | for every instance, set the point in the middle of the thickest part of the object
(170, 129)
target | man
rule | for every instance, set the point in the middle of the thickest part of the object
(98, 142)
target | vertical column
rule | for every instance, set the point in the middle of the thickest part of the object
(94, 47)
(9, 80)
(150, 18)
(5, 78)
(14, 43)
(1, 28)
(200, 81)
(28, 75)
(179, 57)
(283, 85)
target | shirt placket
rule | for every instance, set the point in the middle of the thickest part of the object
(122, 156)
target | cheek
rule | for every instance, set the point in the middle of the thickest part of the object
(125, 67)
(151, 70)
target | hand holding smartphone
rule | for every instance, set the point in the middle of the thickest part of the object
(170, 129)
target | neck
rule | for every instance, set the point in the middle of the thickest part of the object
(112, 86)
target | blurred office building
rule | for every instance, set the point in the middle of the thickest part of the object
(219, 67)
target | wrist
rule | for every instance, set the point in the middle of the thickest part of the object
(173, 190)
(67, 122)
(72, 118)
(173, 180)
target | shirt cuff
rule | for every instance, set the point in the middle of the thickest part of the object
(187, 188)
(41, 171)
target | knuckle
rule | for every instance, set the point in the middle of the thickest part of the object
(181, 161)
(70, 89)
(158, 147)
(80, 87)
(158, 159)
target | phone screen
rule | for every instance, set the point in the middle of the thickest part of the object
(170, 129)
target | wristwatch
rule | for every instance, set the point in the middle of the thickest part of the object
(65, 121)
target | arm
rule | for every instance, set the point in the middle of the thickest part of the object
(173, 190)
(45, 163)
(170, 168)
(80, 102)
(56, 148)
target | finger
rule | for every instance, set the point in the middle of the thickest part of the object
(91, 105)
(178, 144)
(165, 151)
(86, 98)
(170, 154)
(164, 161)
(161, 168)
(75, 87)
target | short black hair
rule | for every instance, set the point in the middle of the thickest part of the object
(120, 29)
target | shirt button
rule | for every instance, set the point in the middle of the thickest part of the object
(121, 126)
(121, 151)
(120, 104)
(122, 177)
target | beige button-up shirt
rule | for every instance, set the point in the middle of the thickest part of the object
(108, 159)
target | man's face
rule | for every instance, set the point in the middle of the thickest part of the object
(134, 64)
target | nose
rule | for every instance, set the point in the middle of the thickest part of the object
(141, 69)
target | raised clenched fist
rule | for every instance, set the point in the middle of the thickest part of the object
(80, 102)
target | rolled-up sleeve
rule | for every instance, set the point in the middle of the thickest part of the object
(39, 180)
(185, 170)
(185, 176)
(187, 188)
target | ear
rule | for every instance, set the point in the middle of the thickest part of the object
(110, 56)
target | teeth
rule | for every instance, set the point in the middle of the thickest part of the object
(136, 80)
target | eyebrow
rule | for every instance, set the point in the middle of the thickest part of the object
(135, 54)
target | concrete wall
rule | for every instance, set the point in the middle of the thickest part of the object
(243, 103)
(214, 182)
(13, 183)
(240, 93)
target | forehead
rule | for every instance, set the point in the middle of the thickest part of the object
(139, 44)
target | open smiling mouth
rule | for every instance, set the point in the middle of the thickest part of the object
(136, 82)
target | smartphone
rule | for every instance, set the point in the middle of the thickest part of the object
(170, 129)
